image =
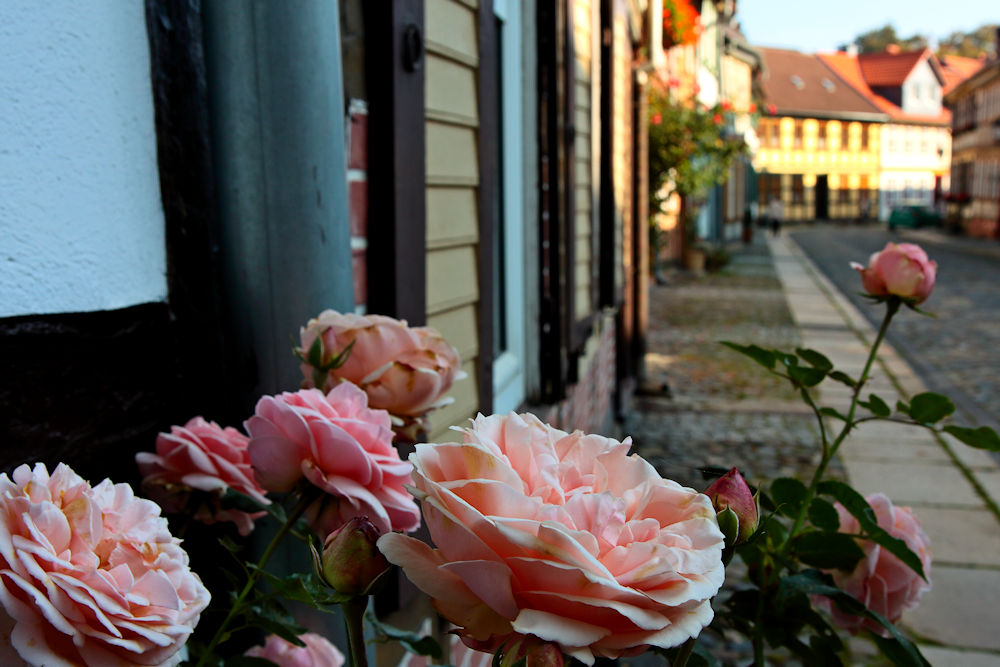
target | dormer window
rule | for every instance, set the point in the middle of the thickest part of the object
(798, 82)
(827, 85)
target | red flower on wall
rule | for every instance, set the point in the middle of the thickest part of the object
(681, 23)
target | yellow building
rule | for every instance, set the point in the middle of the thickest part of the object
(820, 141)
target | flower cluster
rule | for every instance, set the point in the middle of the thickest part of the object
(342, 447)
(547, 544)
(91, 575)
(880, 580)
(404, 370)
(559, 537)
(681, 23)
(201, 456)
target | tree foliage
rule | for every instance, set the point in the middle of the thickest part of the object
(879, 39)
(973, 44)
(689, 151)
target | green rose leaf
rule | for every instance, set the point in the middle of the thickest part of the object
(844, 378)
(814, 358)
(876, 406)
(763, 357)
(788, 495)
(903, 407)
(831, 412)
(314, 357)
(828, 550)
(859, 508)
(903, 652)
(823, 514)
(929, 408)
(981, 438)
(806, 376)
(416, 643)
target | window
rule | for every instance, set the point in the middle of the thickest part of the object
(508, 280)
(821, 135)
(865, 132)
(844, 136)
(770, 189)
(797, 142)
(798, 189)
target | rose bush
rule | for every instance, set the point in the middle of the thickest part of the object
(404, 370)
(91, 575)
(317, 652)
(900, 269)
(881, 581)
(341, 446)
(560, 537)
(201, 456)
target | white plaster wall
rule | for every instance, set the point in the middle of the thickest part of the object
(922, 91)
(81, 221)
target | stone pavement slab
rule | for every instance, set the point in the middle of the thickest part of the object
(961, 536)
(912, 483)
(946, 657)
(867, 449)
(960, 609)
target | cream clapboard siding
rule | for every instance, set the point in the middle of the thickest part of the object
(583, 270)
(452, 181)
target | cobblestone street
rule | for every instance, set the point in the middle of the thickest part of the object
(704, 404)
(956, 353)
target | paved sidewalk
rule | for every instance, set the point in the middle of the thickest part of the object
(954, 490)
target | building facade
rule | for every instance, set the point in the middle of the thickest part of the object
(974, 197)
(916, 139)
(820, 140)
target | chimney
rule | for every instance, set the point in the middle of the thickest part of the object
(892, 48)
(852, 49)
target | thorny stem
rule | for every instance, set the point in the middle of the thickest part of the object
(354, 610)
(687, 648)
(305, 499)
(892, 307)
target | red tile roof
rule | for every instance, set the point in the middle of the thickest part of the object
(889, 69)
(802, 84)
(957, 69)
(850, 69)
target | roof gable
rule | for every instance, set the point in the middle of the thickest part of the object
(799, 83)
(890, 70)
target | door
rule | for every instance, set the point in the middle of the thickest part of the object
(822, 197)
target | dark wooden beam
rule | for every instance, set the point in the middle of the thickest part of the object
(397, 236)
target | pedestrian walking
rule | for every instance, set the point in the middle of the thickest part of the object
(775, 213)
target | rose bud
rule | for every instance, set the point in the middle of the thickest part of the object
(351, 563)
(900, 269)
(735, 505)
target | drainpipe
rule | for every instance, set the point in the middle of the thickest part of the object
(277, 120)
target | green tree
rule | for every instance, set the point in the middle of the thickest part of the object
(689, 152)
(973, 44)
(880, 39)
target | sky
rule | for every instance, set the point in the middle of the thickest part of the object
(811, 25)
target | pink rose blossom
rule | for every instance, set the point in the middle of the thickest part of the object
(900, 269)
(341, 446)
(318, 652)
(201, 456)
(404, 370)
(731, 492)
(91, 575)
(880, 580)
(562, 538)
